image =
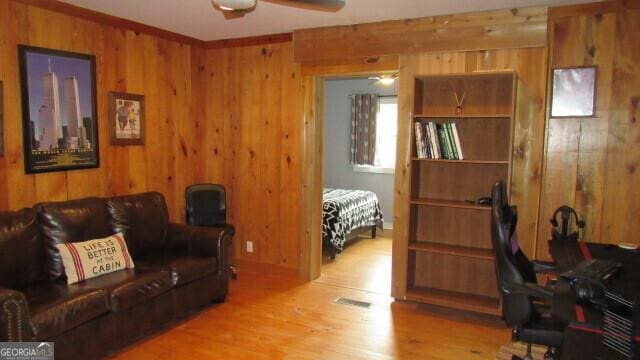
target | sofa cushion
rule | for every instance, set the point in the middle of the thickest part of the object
(21, 250)
(70, 221)
(89, 259)
(183, 269)
(143, 219)
(56, 308)
(128, 288)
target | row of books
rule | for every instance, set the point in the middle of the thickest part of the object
(438, 141)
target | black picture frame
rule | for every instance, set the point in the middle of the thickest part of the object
(63, 147)
(116, 101)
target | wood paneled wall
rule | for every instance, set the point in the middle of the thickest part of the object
(251, 143)
(499, 29)
(126, 61)
(593, 164)
(530, 65)
(244, 117)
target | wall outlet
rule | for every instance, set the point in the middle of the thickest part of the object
(249, 246)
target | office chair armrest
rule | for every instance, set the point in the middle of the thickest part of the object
(529, 289)
(540, 266)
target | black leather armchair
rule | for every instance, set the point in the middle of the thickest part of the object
(524, 302)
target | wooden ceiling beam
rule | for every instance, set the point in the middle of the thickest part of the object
(249, 41)
(501, 29)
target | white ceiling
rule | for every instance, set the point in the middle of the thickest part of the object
(198, 19)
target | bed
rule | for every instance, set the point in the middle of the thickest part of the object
(347, 211)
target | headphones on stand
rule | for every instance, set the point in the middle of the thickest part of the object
(565, 212)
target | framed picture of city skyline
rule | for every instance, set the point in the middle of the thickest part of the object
(126, 118)
(60, 122)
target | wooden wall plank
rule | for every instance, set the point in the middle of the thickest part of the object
(135, 73)
(232, 109)
(14, 28)
(621, 209)
(502, 29)
(290, 160)
(155, 114)
(270, 145)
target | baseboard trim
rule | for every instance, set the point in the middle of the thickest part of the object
(253, 267)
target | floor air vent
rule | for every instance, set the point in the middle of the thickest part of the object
(345, 301)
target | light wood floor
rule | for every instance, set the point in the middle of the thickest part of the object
(274, 318)
(364, 264)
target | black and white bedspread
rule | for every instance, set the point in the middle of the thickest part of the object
(346, 210)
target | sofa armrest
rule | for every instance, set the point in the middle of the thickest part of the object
(14, 316)
(202, 241)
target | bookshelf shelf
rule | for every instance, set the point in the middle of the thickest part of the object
(437, 248)
(449, 256)
(464, 161)
(444, 298)
(467, 116)
(449, 203)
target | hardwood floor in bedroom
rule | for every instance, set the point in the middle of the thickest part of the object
(365, 264)
(269, 317)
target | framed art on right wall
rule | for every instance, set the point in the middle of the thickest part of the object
(574, 92)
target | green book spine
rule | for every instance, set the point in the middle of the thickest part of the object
(452, 142)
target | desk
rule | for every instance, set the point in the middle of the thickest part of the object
(583, 336)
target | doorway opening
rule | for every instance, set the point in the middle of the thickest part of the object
(359, 154)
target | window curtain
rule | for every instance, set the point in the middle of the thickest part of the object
(364, 110)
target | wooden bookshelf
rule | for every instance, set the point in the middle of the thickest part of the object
(450, 260)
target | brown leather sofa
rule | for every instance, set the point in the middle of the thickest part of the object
(178, 269)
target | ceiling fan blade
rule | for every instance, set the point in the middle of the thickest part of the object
(325, 3)
(319, 5)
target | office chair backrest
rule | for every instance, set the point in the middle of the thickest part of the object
(512, 265)
(206, 205)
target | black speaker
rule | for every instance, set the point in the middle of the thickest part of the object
(206, 205)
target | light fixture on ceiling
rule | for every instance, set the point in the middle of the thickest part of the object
(234, 5)
(384, 79)
(237, 8)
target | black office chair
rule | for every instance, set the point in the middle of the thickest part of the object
(523, 300)
(206, 205)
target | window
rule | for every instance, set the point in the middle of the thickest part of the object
(386, 135)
